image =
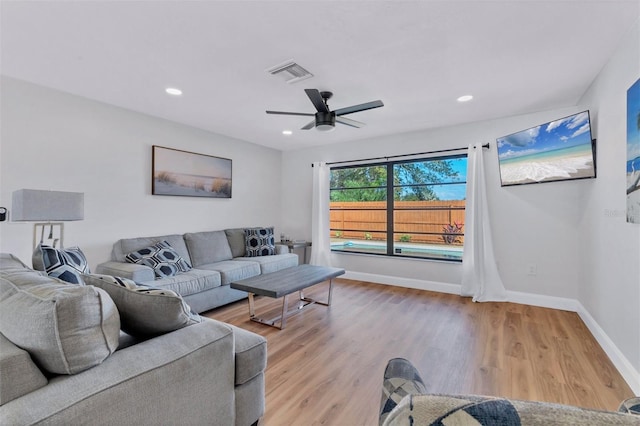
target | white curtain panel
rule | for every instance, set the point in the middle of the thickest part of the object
(321, 248)
(480, 277)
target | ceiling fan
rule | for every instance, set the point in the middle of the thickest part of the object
(325, 119)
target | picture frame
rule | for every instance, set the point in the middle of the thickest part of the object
(188, 174)
(632, 168)
(560, 150)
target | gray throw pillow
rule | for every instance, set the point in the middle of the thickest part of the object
(65, 328)
(145, 311)
(162, 258)
(259, 242)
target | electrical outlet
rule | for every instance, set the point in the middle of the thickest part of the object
(532, 269)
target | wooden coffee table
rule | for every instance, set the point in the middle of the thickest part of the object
(284, 282)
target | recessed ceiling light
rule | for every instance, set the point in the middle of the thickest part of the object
(287, 132)
(173, 91)
(465, 98)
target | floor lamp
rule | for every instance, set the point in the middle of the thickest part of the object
(50, 209)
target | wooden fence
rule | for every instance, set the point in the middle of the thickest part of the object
(368, 220)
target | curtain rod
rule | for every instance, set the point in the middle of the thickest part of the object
(399, 156)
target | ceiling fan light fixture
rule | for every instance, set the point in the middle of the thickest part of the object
(325, 127)
(325, 121)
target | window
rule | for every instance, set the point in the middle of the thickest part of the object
(424, 218)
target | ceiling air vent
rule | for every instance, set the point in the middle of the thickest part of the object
(290, 71)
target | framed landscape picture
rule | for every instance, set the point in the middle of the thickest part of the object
(183, 173)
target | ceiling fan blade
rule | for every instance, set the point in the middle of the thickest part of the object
(306, 114)
(309, 125)
(316, 100)
(349, 122)
(360, 107)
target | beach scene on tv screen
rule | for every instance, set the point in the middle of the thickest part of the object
(558, 150)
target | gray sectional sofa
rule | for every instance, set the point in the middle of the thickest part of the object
(217, 257)
(65, 361)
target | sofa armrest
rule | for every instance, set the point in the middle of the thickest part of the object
(137, 273)
(185, 374)
(18, 372)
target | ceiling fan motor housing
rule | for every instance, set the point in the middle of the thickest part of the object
(325, 121)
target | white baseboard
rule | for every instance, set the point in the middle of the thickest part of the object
(553, 302)
(620, 362)
(403, 282)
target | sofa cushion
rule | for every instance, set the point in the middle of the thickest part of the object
(273, 263)
(259, 242)
(187, 283)
(236, 241)
(207, 247)
(9, 261)
(65, 328)
(66, 264)
(145, 311)
(250, 353)
(19, 374)
(125, 246)
(234, 270)
(161, 257)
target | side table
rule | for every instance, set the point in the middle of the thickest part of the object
(292, 245)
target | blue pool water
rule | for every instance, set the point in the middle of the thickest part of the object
(427, 252)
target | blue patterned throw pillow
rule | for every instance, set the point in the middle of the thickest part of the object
(162, 258)
(65, 264)
(259, 242)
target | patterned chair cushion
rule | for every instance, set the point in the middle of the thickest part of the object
(65, 264)
(144, 311)
(405, 402)
(259, 242)
(161, 257)
(631, 406)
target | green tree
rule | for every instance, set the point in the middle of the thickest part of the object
(369, 183)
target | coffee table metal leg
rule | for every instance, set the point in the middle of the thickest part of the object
(252, 307)
(306, 301)
(285, 305)
(310, 301)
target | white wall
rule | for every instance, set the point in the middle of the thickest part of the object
(610, 263)
(57, 141)
(531, 223)
(575, 232)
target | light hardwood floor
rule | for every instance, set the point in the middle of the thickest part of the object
(326, 366)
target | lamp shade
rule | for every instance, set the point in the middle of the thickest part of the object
(35, 205)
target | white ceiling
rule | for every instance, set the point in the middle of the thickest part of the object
(514, 57)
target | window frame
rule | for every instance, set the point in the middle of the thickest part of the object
(390, 210)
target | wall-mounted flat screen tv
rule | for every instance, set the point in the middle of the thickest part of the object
(558, 150)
